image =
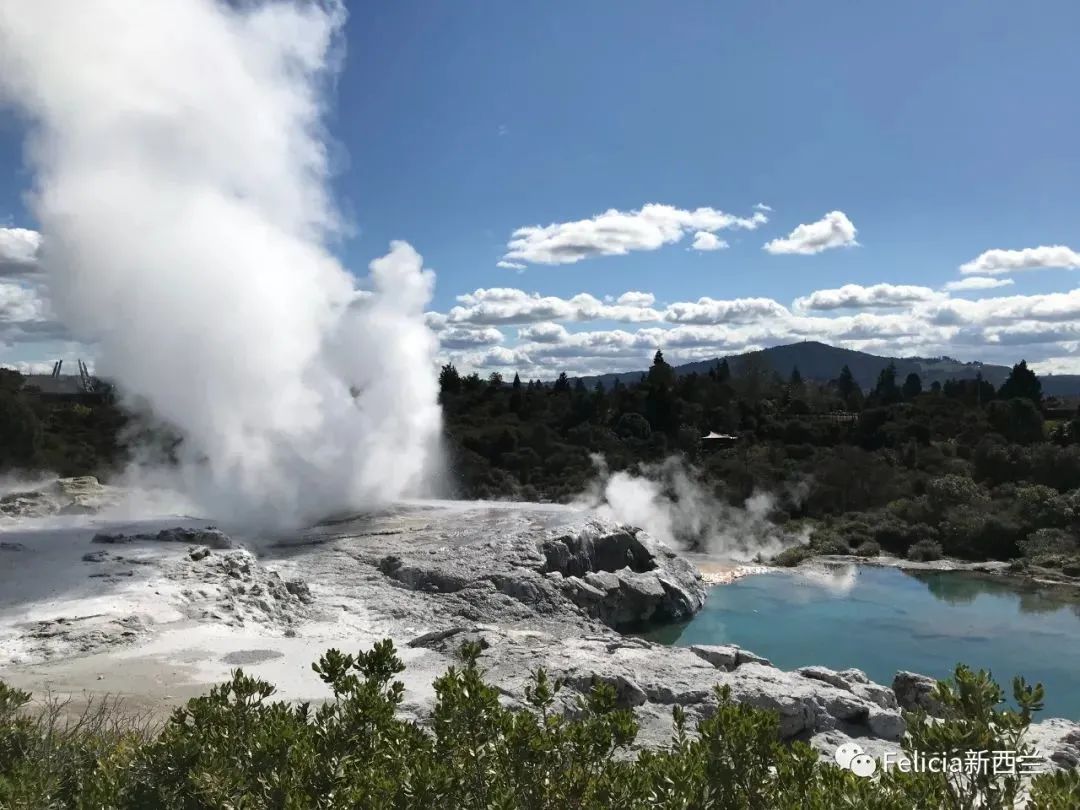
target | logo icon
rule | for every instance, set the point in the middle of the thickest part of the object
(852, 757)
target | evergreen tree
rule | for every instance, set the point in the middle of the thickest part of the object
(449, 379)
(886, 391)
(562, 383)
(1022, 384)
(796, 380)
(912, 386)
(845, 383)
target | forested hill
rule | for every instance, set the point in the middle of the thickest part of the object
(821, 362)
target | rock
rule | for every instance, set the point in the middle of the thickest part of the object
(721, 656)
(914, 692)
(299, 589)
(434, 637)
(747, 657)
(210, 537)
(95, 556)
(9, 546)
(198, 553)
(1057, 740)
(888, 725)
(855, 681)
(66, 496)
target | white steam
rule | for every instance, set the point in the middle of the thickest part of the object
(181, 190)
(668, 502)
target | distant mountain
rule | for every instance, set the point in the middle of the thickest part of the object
(821, 362)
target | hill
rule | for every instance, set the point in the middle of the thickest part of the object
(821, 362)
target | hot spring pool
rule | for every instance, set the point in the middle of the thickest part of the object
(881, 620)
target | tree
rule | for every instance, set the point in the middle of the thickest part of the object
(515, 394)
(1021, 384)
(660, 399)
(796, 380)
(449, 380)
(845, 383)
(20, 432)
(886, 392)
(912, 386)
(1017, 419)
(562, 383)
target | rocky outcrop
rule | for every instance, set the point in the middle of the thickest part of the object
(728, 656)
(652, 679)
(622, 576)
(64, 496)
(1057, 740)
(914, 692)
(209, 537)
(616, 575)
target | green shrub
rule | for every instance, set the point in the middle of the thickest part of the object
(925, 551)
(235, 748)
(868, 549)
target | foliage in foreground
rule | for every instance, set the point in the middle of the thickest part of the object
(234, 748)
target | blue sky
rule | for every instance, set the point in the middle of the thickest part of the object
(938, 131)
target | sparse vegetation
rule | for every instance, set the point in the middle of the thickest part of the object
(235, 747)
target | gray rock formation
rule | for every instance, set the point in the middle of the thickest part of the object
(209, 537)
(914, 692)
(64, 496)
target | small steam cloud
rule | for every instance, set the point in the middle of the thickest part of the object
(667, 501)
(181, 189)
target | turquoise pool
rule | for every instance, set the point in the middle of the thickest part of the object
(882, 620)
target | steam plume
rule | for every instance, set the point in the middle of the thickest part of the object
(668, 502)
(181, 190)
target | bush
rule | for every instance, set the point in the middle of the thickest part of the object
(868, 549)
(925, 551)
(236, 748)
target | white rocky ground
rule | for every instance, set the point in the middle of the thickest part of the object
(157, 609)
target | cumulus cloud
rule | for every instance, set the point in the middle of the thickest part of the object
(633, 298)
(545, 332)
(616, 233)
(856, 296)
(977, 283)
(710, 311)
(998, 262)
(18, 251)
(703, 240)
(831, 231)
(503, 306)
(459, 338)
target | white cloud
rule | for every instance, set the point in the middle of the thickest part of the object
(762, 207)
(855, 296)
(712, 311)
(545, 332)
(616, 233)
(999, 262)
(459, 338)
(18, 252)
(634, 298)
(977, 283)
(831, 231)
(510, 265)
(508, 306)
(703, 240)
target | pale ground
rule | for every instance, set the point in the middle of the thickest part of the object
(174, 655)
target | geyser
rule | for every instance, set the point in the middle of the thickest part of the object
(180, 170)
